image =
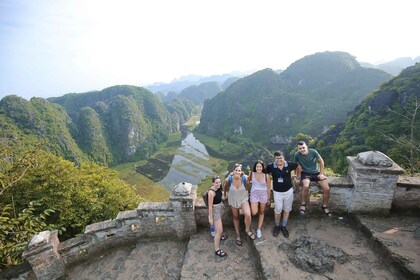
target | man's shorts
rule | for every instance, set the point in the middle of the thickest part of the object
(311, 176)
(283, 201)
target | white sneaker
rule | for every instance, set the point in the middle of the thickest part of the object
(259, 233)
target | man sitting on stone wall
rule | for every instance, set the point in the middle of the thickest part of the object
(309, 171)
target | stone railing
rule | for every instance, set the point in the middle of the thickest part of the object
(49, 258)
(370, 187)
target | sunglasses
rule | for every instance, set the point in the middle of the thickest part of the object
(215, 178)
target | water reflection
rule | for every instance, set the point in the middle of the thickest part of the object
(189, 164)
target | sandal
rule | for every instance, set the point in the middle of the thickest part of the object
(302, 209)
(238, 241)
(251, 235)
(326, 211)
(220, 253)
(223, 237)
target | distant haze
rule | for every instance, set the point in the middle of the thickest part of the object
(53, 47)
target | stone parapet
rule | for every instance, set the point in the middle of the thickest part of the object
(374, 177)
(42, 253)
(183, 201)
(407, 194)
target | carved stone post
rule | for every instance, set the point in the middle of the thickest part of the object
(374, 176)
(42, 254)
(183, 198)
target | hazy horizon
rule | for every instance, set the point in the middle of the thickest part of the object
(51, 48)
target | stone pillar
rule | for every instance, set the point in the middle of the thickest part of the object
(374, 176)
(42, 254)
(183, 198)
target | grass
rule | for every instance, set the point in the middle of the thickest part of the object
(146, 188)
(211, 142)
(155, 166)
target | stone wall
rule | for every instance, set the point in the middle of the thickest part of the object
(370, 187)
(407, 194)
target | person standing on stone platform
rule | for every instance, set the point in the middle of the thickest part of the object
(238, 198)
(280, 171)
(260, 192)
(216, 208)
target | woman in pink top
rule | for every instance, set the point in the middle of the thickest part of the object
(260, 192)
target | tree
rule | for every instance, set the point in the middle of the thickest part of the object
(41, 191)
(410, 140)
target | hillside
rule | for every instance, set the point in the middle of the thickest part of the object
(27, 124)
(117, 124)
(310, 95)
(387, 121)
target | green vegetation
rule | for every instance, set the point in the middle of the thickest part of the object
(386, 121)
(27, 124)
(309, 96)
(41, 191)
(116, 125)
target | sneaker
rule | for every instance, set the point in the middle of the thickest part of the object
(259, 233)
(276, 231)
(285, 232)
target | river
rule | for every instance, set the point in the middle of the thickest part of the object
(190, 164)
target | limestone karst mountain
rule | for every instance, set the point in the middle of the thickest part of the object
(309, 96)
(117, 124)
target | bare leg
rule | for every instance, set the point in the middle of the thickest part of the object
(305, 190)
(219, 230)
(247, 214)
(235, 214)
(285, 216)
(326, 192)
(254, 208)
(261, 215)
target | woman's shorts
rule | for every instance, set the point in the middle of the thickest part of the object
(258, 196)
(218, 211)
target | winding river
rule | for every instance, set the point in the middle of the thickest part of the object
(190, 164)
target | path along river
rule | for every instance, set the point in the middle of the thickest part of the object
(191, 163)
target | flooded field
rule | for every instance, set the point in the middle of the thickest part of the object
(191, 163)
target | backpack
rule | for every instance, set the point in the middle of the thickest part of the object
(230, 181)
(206, 197)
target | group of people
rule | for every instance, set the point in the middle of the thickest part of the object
(251, 193)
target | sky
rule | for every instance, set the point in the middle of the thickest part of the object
(49, 48)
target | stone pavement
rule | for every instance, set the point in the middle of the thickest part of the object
(375, 248)
(400, 259)
(341, 247)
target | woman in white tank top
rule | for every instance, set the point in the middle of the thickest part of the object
(260, 192)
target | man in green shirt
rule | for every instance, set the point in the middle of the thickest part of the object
(309, 171)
